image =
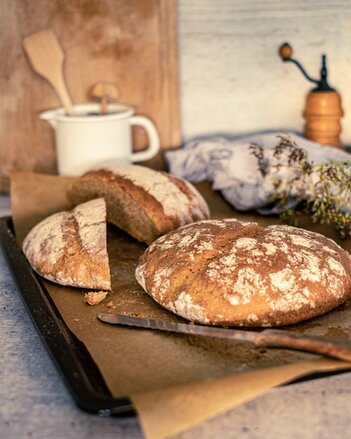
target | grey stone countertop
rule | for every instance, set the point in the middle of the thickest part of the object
(36, 404)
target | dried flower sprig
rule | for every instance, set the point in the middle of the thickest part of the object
(322, 191)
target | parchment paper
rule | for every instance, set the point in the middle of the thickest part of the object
(158, 370)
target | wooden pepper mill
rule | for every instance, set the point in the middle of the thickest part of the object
(323, 110)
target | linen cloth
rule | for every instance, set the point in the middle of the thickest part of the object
(233, 170)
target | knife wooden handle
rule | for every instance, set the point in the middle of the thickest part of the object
(272, 338)
(268, 338)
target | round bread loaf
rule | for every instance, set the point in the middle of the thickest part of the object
(70, 248)
(141, 201)
(227, 272)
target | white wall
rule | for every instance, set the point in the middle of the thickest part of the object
(232, 79)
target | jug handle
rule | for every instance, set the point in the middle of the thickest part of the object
(154, 140)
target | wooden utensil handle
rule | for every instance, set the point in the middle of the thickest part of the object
(64, 96)
(272, 338)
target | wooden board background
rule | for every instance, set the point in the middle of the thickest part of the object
(130, 43)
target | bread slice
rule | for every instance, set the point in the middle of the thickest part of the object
(70, 248)
(141, 201)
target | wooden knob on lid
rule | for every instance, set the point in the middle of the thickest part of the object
(104, 93)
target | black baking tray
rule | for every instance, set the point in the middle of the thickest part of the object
(73, 361)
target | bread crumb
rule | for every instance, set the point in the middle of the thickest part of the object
(109, 304)
(94, 297)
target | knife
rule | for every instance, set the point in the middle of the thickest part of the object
(267, 338)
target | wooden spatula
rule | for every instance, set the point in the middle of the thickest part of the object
(46, 57)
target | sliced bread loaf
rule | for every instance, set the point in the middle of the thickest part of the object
(141, 201)
(70, 248)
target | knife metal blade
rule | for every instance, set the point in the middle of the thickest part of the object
(267, 338)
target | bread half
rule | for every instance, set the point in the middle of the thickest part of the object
(70, 248)
(141, 201)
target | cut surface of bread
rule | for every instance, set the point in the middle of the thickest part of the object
(141, 201)
(70, 247)
(228, 272)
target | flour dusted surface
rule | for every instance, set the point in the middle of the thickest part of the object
(233, 273)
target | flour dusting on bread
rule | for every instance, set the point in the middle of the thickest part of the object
(174, 202)
(70, 247)
(243, 274)
(143, 202)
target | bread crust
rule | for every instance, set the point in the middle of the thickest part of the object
(226, 272)
(141, 201)
(70, 248)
